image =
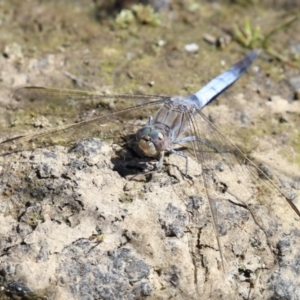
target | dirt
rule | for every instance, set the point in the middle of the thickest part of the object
(72, 223)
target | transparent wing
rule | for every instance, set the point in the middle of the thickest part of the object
(97, 126)
(230, 177)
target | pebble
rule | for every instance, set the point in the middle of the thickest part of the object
(191, 48)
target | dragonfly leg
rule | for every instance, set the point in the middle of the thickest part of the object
(158, 166)
(160, 161)
(150, 121)
(194, 138)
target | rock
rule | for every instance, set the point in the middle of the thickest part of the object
(160, 238)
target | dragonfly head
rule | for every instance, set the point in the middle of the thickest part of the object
(150, 140)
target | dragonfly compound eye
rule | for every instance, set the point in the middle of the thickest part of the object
(156, 136)
(148, 140)
(143, 132)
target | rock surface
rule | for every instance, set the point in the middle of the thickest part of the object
(76, 230)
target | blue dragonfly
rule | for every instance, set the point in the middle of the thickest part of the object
(223, 167)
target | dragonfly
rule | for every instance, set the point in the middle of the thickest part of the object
(223, 167)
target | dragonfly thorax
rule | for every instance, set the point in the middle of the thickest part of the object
(151, 140)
